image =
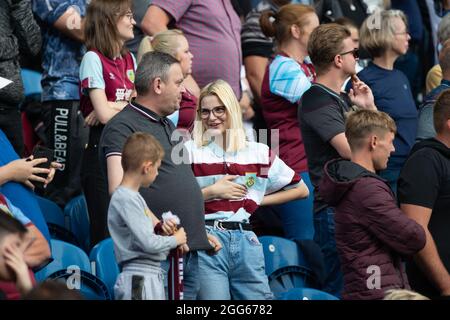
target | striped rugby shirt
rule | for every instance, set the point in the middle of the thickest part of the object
(258, 169)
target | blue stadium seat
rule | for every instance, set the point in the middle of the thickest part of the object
(31, 82)
(71, 266)
(77, 219)
(64, 256)
(285, 264)
(56, 221)
(104, 264)
(306, 294)
(90, 286)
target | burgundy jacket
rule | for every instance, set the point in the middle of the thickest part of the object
(371, 231)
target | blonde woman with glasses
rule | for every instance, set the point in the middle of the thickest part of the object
(236, 177)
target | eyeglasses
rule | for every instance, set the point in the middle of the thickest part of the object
(129, 15)
(217, 111)
(355, 53)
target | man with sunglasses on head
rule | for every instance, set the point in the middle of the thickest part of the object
(322, 122)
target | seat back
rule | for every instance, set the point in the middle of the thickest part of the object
(280, 253)
(66, 257)
(56, 221)
(31, 82)
(286, 266)
(104, 264)
(77, 218)
(90, 286)
(306, 294)
(51, 211)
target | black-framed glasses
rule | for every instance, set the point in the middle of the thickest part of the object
(355, 53)
(218, 112)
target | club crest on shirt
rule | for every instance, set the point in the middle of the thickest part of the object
(250, 179)
(130, 75)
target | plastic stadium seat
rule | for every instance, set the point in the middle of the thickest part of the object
(306, 294)
(56, 221)
(31, 82)
(71, 265)
(64, 256)
(90, 286)
(285, 265)
(104, 264)
(77, 221)
(174, 117)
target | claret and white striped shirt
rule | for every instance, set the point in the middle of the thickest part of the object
(258, 169)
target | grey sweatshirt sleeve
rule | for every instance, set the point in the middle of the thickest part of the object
(142, 231)
(132, 229)
(25, 27)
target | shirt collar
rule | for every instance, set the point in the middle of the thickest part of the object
(146, 112)
(445, 82)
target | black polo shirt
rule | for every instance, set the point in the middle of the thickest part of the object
(175, 187)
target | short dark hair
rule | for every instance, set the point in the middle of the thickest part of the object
(153, 65)
(10, 225)
(138, 148)
(441, 111)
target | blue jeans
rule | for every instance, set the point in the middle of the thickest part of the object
(237, 271)
(297, 216)
(324, 236)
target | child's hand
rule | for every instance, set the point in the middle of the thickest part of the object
(180, 236)
(183, 249)
(15, 261)
(169, 227)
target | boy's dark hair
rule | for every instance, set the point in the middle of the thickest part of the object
(138, 148)
(9, 225)
(52, 290)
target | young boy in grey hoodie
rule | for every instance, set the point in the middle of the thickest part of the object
(138, 249)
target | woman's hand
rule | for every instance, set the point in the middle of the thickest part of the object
(25, 171)
(91, 120)
(53, 166)
(225, 188)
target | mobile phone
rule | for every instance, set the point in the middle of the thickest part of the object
(137, 287)
(42, 152)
